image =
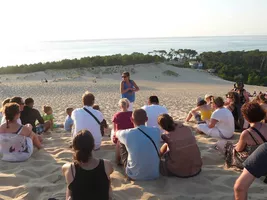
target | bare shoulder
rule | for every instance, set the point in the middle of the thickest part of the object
(66, 167)
(108, 167)
(244, 134)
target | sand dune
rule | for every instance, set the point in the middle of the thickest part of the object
(40, 177)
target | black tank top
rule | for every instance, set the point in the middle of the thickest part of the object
(90, 184)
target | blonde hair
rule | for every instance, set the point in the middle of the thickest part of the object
(46, 109)
(124, 103)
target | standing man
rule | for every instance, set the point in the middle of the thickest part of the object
(88, 118)
(153, 110)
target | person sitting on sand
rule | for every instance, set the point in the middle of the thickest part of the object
(128, 88)
(254, 167)
(243, 94)
(49, 118)
(68, 121)
(1, 110)
(12, 114)
(87, 118)
(233, 104)
(221, 124)
(29, 115)
(87, 177)
(153, 110)
(140, 157)
(204, 109)
(180, 150)
(121, 121)
(261, 99)
(250, 138)
(208, 98)
(104, 124)
(20, 102)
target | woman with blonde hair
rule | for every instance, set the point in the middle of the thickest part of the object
(121, 121)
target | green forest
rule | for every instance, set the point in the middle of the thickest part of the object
(247, 66)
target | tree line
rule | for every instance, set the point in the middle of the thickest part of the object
(247, 66)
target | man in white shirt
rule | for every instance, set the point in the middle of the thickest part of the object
(153, 110)
(84, 120)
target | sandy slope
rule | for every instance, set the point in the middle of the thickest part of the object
(40, 177)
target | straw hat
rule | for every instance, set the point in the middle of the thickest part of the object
(208, 95)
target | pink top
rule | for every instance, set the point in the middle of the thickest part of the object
(122, 120)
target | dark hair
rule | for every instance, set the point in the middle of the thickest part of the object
(261, 98)
(201, 102)
(154, 99)
(218, 102)
(166, 122)
(83, 145)
(10, 111)
(253, 112)
(46, 109)
(235, 96)
(139, 116)
(96, 107)
(29, 101)
(126, 74)
(88, 99)
(69, 110)
(17, 100)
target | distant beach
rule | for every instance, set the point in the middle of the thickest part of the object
(34, 52)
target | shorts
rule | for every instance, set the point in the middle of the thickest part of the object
(123, 154)
(40, 129)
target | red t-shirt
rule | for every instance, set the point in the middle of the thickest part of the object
(122, 120)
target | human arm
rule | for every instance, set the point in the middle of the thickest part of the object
(212, 123)
(39, 117)
(242, 185)
(122, 90)
(241, 144)
(163, 149)
(136, 87)
(245, 93)
(66, 170)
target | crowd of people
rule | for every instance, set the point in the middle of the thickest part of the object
(139, 134)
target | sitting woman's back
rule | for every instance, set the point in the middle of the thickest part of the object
(87, 177)
(183, 158)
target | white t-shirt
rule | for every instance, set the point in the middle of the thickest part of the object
(3, 120)
(153, 111)
(226, 123)
(83, 120)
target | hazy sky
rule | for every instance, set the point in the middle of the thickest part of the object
(35, 20)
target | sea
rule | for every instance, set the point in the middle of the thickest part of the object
(17, 53)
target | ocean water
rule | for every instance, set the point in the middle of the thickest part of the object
(26, 53)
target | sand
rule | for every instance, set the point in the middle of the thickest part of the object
(40, 177)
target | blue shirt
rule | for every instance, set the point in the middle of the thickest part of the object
(130, 95)
(143, 160)
(68, 123)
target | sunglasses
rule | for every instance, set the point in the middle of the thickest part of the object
(123, 76)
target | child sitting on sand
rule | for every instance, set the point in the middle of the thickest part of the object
(68, 121)
(48, 116)
(103, 124)
(204, 109)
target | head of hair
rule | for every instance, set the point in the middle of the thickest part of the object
(253, 112)
(239, 85)
(29, 101)
(17, 100)
(126, 74)
(46, 109)
(69, 110)
(83, 145)
(261, 98)
(166, 122)
(124, 103)
(234, 96)
(139, 117)
(201, 102)
(96, 107)
(10, 111)
(218, 101)
(88, 99)
(5, 102)
(153, 100)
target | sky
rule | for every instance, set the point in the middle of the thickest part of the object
(49, 20)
